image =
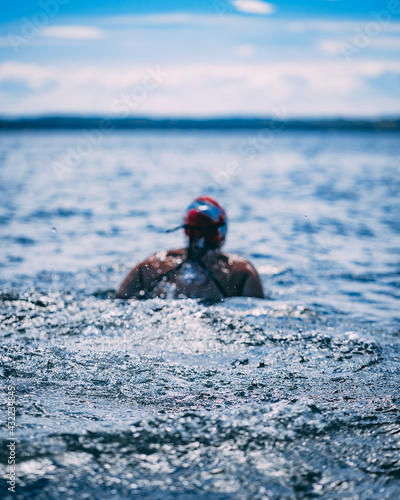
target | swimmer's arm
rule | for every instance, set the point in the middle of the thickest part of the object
(132, 284)
(252, 286)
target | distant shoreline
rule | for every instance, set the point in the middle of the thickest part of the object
(88, 123)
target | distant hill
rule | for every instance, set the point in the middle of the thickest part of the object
(80, 123)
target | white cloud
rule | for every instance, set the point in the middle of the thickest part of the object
(254, 6)
(335, 47)
(225, 13)
(316, 88)
(175, 18)
(331, 47)
(338, 27)
(246, 50)
(73, 32)
(386, 43)
(33, 76)
(320, 26)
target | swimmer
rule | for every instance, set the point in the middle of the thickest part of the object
(201, 270)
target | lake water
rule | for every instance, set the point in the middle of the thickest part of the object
(292, 397)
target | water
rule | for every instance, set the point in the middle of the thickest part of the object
(291, 397)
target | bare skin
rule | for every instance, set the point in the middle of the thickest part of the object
(221, 274)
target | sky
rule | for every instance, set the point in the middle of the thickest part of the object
(200, 58)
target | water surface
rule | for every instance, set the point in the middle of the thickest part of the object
(291, 397)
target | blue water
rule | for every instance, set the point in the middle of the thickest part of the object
(291, 397)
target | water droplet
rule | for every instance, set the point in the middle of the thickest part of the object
(54, 229)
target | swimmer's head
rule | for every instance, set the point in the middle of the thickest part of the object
(205, 223)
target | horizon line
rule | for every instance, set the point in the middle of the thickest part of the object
(71, 122)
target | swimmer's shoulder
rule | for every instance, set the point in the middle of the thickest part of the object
(164, 257)
(176, 254)
(237, 263)
(244, 278)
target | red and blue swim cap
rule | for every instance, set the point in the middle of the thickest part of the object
(206, 219)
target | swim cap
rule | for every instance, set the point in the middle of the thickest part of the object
(205, 222)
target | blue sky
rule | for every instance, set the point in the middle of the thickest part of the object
(200, 58)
